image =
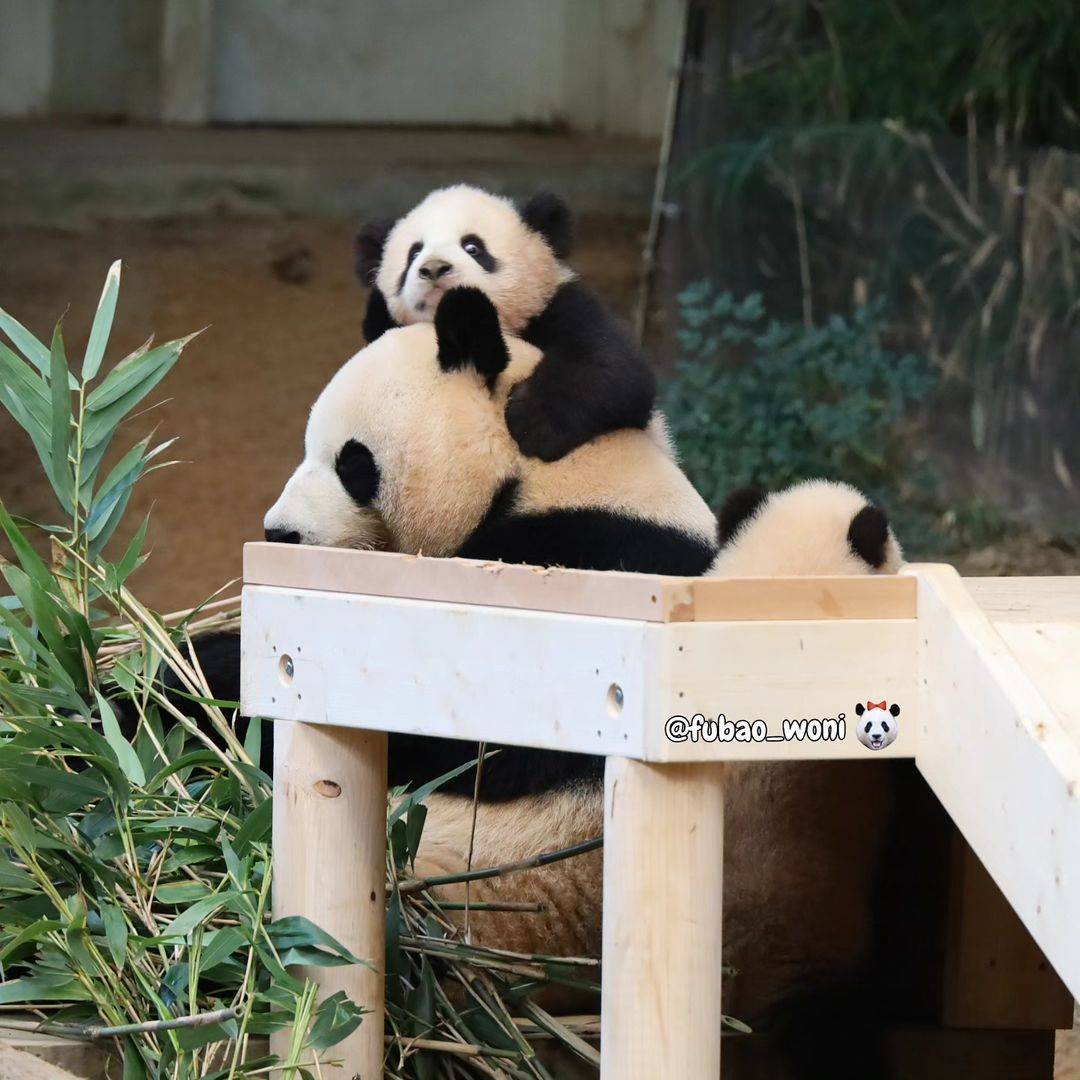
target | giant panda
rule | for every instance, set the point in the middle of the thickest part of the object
(592, 378)
(407, 449)
(819, 527)
(817, 854)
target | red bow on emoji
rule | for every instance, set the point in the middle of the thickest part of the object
(876, 705)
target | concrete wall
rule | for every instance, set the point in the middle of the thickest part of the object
(25, 57)
(593, 65)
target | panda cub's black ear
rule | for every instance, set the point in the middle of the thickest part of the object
(738, 506)
(549, 216)
(868, 534)
(370, 241)
(468, 332)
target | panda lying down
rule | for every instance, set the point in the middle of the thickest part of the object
(407, 448)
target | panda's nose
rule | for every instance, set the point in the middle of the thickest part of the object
(435, 268)
(282, 536)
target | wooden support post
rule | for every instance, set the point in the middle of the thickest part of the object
(330, 865)
(663, 878)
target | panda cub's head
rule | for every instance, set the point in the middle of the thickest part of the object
(816, 527)
(462, 235)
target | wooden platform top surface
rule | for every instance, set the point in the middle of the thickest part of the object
(610, 594)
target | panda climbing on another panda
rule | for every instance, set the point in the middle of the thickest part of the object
(407, 447)
(592, 379)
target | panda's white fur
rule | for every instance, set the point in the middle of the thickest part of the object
(443, 450)
(802, 530)
(526, 277)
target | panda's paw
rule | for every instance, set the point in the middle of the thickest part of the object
(536, 427)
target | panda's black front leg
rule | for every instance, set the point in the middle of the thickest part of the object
(377, 317)
(566, 403)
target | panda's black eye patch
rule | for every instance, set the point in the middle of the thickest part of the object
(356, 469)
(869, 725)
(409, 260)
(884, 727)
(473, 246)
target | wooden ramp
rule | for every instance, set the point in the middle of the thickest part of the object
(668, 678)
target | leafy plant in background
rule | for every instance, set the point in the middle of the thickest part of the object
(758, 400)
(931, 65)
(925, 153)
(135, 864)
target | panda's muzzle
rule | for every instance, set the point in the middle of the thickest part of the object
(435, 268)
(282, 536)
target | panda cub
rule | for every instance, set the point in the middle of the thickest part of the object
(815, 527)
(592, 378)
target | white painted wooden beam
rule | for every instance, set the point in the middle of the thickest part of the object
(330, 867)
(777, 689)
(663, 903)
(1003, 763)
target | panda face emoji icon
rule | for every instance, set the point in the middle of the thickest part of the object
(878, 725)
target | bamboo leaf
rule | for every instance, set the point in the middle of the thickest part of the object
(43, 988)
(256, 827)
(25, 342)
(124, 751)
(39, 436)
(105, 531)
(61, 407)
(116, 932)
(199, 912)
(102, 325)
(31, 388)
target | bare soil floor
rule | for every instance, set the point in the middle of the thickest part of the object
(282, 310)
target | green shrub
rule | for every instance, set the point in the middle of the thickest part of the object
(756, 400)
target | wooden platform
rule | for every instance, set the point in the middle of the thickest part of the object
(986, 674)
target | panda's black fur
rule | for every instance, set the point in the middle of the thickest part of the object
(583, 539)
(592, 380)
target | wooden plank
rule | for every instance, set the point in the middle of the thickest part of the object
(1027, 599)
(663, 898)
(330, 866)
(763, 599)
(995, 975)
(455, 670)
(459, 581)
(648, 597)
(569, 682)
(1002, 764)
(1049, 654)
(773, 676)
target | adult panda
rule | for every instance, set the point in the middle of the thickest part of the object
(407, 448)
(592, 378)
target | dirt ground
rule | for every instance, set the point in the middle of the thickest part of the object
(282, 311)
